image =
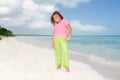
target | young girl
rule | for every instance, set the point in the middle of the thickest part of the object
(61, 34)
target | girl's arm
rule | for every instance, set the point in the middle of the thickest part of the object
(53, 40)
(69, 31)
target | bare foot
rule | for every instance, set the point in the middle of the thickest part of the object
(58, 67)
(67, 70)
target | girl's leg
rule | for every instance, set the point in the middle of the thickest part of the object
(57, 52)
(65, 58)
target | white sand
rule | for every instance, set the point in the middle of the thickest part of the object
(21, 61)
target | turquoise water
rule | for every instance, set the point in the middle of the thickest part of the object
(102, 46)
(107, 47)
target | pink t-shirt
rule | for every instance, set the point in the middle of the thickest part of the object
(60, 29)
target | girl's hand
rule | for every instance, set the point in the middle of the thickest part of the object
(66, 39)
(53, 45)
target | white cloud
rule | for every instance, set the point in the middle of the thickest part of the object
(4, 10)
(31, 13)
(86, 27)
(29, 4)
(9, 6)
(65, 3)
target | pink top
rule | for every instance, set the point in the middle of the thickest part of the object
(60, 29)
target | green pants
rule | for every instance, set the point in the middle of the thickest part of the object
(61, 51)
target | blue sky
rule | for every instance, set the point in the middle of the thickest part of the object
(87, 17)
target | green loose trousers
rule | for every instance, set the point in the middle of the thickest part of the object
(61, 51)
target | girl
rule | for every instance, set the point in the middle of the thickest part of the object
(61, 34)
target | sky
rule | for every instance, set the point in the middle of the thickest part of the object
(86, 17)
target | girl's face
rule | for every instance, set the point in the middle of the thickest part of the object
(57, 18)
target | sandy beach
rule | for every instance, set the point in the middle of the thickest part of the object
(21, 61)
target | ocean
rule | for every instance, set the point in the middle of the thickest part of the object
(101, 52)
(98, 48)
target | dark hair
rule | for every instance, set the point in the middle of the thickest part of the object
(55, 13)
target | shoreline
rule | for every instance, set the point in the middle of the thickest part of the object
(100, 65)
(96, 51)
(104, 68)
(22, 61)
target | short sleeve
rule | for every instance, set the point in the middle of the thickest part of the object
(66, 22)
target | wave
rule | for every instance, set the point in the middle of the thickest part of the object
(98, 59)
